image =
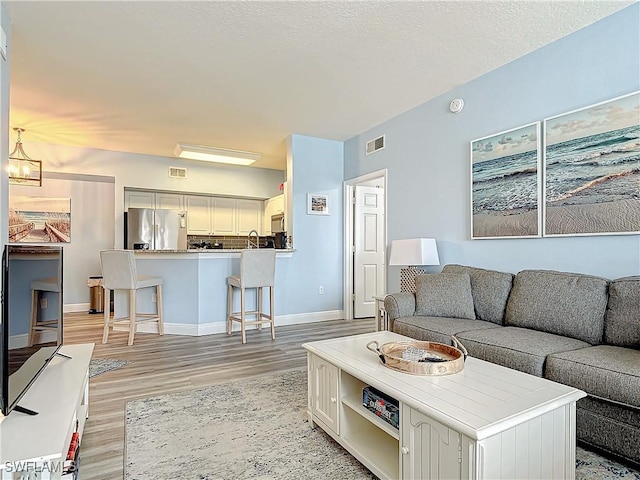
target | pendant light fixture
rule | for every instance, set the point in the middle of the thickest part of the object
(23, 170)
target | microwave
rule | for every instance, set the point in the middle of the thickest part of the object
(277, 223)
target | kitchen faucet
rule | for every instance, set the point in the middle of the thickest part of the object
(250, 244)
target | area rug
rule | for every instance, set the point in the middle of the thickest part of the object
(98, 366)
(256, 428)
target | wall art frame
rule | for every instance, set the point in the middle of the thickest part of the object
(39, 219)
(592, 169)
(506, 180)
(317, 204)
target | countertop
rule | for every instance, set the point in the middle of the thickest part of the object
(209, 250)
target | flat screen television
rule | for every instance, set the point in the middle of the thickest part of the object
(23, 356)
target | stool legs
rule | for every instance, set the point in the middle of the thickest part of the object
(242, 315)
(107, 312)
(160, 311)
(229, 309)
(132, 316)
(271, 316)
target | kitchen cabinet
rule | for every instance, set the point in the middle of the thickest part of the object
(249, 216)
(170, 201)
(222, 215)
(272, 206)
(141, 199)
(198, 215)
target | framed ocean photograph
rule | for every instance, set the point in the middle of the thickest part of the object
(592, 169)
(39, 219)
(505, 184)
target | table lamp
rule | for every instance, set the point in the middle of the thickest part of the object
(412, 253)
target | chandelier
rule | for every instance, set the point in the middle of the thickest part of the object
(22, 169)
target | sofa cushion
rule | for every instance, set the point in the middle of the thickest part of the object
(569, 304)
(622, 320)
(604, 371)
(437, 329)
(490, 290)
(518, 348)
(444, 295)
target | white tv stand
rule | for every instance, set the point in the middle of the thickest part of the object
(40, 443)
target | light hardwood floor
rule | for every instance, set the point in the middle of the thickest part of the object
(174, 363)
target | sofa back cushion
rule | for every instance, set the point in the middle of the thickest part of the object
(444, 295)
(622, 320)
(569, 304)
(490, 291)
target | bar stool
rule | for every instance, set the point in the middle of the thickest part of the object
(37, 287)
(119, 273)
(257, 270)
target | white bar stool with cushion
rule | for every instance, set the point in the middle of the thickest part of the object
(257, 270)
(119, 273)
(37, 286)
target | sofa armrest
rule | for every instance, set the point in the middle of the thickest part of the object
(397, 305)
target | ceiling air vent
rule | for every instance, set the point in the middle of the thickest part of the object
(177, 172)
(374, 145)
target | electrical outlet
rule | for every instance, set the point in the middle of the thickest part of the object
(43, 303)
(321, 290)
(153, 298)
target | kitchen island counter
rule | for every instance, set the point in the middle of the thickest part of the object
(194, 288)
(215, 252)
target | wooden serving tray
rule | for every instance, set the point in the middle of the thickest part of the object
(421, 358)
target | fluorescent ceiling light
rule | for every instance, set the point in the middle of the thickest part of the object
(213, 154)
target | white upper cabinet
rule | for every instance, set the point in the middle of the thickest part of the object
(170, 201)
(272, 206)
(249, 216)
(198, 215)
(134, 199)
(167, 201)
(224, 216)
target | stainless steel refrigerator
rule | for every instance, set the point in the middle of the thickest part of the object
(156, 229)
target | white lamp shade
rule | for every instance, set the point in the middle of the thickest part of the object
(414, 251)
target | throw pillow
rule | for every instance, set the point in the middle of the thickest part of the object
(490, 290)
(444, 295)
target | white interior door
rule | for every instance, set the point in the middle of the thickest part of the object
(369, 260)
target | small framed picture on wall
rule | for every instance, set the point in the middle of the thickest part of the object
(317, 204)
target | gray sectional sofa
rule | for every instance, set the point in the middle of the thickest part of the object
(575, 329)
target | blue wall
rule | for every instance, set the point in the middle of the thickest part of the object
(317, 167)
(427, 150)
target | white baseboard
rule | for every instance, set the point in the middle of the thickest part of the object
(75, 307)
(221, 327)
(22, 340)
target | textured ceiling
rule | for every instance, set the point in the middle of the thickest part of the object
(142, 76)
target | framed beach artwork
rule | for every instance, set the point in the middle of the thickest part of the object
(592, 169)
(39, 219)
(505, 184)
(317, 204)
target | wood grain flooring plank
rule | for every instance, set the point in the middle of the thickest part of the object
(172, 364)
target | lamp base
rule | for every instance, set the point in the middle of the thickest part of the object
(408, 278)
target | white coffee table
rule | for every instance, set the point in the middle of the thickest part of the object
(484, 422)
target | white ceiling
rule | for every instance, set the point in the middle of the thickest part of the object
(142, 76)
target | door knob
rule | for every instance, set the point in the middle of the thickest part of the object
(333, 399)
(404, 450)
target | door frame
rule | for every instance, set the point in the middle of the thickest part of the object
(349, 220)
